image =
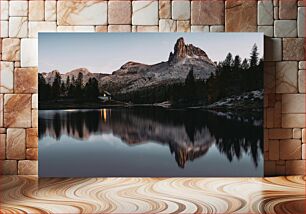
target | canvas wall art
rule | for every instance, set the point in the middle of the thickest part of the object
(150, 104)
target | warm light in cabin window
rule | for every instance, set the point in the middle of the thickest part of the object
(104, 115)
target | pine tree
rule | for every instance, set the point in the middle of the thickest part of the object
(56, 86)
(228, 60)
(79, 86)
(43, 88)
(237, 62)
(245, 64)
(254, 56)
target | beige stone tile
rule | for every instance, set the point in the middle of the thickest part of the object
(297, 133)
(216, 28)
(183, 26)
(39, 26)
(89, 12)
(32, 154)
(293, 103)
(180, 10)
(269, 168)
(265, 12)
(293, 120)
(270, 118)
(275, 3)
(17, 64)
(2, 146)
(275, 13)
(286, 77)
(290, 149)
(26, 80)
(75, 29)
(304, 135)
(207, 12)
(164, 9)
(285, 28)
(11, 49)
(4, 29)
(145, 13)
(295, 167)
(36, 10)
(304, 151)
(119, 12)
(269, 77)
(293, 49)
(140, 28)
(273, 49)
(17, 110)
(266, 155)
(280, 133)
(1, 110)
(101, 28)
(267, 30)
(29, 53)
(8, 167)
(302, 65)
(34, 101)
(278, 114)
(15, 144)
(34, 118)
(32, 138)
(27, 167)
(4, 10)
(2, 130)
(301, 3)
(199, 28)
(167, 25)
(287, 9)
(239, 16)
(18, 8)
(301, 83)
(266, 146)
(134, 28)
(50, 10)
(119, 28)
(273, 150)
(18, 27)
(280, 170)
(7, 77)
(301, 21)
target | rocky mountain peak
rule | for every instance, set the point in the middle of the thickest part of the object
(181, 51)
(54, 72)
(76, 72)
(131, 64)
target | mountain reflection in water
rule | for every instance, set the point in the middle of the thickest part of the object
(188, 133)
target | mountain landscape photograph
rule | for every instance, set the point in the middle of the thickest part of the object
(150, 104)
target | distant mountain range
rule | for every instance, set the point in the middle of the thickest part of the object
(133, 76)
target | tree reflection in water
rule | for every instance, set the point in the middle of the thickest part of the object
(188, 133)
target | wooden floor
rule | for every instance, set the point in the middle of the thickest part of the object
(138, 195)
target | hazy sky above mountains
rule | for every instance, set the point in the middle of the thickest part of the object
(107, 52)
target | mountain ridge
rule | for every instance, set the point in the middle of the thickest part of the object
(133, 76)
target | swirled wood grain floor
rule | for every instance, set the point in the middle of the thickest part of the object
(139, 195)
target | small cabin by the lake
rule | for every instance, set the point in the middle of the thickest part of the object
(106, 96)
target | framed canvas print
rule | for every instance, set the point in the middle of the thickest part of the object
(150, 104)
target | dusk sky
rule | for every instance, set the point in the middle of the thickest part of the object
(107, 52)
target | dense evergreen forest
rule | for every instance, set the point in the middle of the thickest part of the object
(73, 88)
(233, 76)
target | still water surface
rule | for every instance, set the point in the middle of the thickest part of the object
(149, 141)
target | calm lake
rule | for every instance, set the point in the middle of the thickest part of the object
(149, 141)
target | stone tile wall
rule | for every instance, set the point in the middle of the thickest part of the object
(282, 21)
